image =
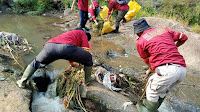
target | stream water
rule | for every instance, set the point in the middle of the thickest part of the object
(184, 98)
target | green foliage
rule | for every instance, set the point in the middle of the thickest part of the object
(67, 3)
(31, 6)
(185, 11)
(196, 28)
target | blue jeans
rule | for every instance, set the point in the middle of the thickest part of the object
(83, 17)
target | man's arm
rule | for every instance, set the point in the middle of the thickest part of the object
(72, 7)
(178, 37)
(109, 15)
(92, 4)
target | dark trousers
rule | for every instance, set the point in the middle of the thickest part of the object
(53, 51)
(83, 17)
(120, 16)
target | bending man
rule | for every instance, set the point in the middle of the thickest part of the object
(122, 10)
(72, 46)
(157, 47)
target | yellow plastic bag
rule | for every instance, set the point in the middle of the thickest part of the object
(134, 7)
(107, 28)
(104, 14)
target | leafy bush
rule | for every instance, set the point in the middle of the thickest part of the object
(31, 6)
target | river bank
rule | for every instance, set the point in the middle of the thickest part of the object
(125, 44)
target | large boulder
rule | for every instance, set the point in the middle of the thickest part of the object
(4, 4)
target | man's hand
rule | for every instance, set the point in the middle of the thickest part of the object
(106, 20)
(96, 22)
(72, 9)
(149, 71)
(74, 64)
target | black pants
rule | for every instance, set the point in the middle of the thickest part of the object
(54, 51)
(120, 16)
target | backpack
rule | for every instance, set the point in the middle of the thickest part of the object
(121, 2)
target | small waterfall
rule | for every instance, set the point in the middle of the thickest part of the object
(47, 101)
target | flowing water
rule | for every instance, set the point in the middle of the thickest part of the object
(184, 98)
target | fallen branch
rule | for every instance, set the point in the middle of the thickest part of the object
(187, 84)
(10, 50)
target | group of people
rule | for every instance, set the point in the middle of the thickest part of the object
(94, 10)
(158, 47)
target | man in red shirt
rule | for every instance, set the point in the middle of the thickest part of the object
(83, 11)
(93, 12)
(72, 46)
(157, 47)
(122, 10)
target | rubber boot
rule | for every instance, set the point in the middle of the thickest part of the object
(27, 74)
(117, 29)
(153, 106)
(150, 106)
(88, 73)
(142, 108)
(88, 78)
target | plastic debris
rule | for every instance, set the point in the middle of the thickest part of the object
(2, 79)
(126, 104)
(112, 81)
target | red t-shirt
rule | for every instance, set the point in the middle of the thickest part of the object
(92, 11)
(116, 6)
(83, 5)
(74, 37)
(159, 45)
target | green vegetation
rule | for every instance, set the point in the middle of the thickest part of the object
(184, 11)
(35, 7)
(68, 86)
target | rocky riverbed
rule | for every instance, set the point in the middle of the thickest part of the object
(13, 99)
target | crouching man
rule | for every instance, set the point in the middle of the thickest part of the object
(158, 47)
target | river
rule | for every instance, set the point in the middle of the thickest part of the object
(184, 98)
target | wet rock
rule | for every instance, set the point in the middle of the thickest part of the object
(5, 4)
(113, 54)
(67, 11)
(106, 100)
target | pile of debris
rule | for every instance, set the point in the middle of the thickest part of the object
(68, 87)
(12, 44)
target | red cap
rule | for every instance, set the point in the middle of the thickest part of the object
(95, 3)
